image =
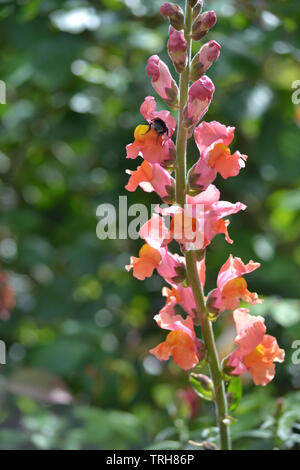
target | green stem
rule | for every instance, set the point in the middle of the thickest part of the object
(212, 353)
(190, 256)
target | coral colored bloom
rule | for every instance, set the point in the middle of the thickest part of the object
(256, 351)
(195, 225)
(212, 139)
(232, 287)
(181, 343)
(162, 80)
(143, 266)
(172, 267)
(199, 99)
(151, 146)
(213, 213)
(148, 111)
(177, 49)
(7, 298)
(152, 177)
(155, 232)
(148, 143)
(220, 158)
(183, 297)
(202, 61)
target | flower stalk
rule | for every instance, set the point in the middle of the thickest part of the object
(190, 256)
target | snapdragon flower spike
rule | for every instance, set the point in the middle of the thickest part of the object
(148, 143)
(177, 49)
(213, 139)
(256, 351)
(174, 13)
(162, 81)
(202, 61)
(202, 24)
(232, 287)
(181, 343)
(199, 99)
(7, 298)
(152, 177)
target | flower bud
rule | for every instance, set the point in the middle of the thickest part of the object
(199, 99)
(211, 302)
(177, 48)
(203, 60)
(197, 8)
(192, 3)
(202, 385)
(202, 24)
(228, 367)
(162, 81)
(174, 13)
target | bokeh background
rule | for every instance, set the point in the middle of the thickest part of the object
(78, 372)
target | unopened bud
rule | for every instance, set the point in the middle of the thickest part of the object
(202, 24)
(197, 8)
(202, 385)
(162, 81)
(211, 302)
(202, 61)
(192, 3)
(177, 48)
(174, 13)
(199, 99)
(228, 367)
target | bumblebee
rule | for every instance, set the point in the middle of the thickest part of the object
(159, 126)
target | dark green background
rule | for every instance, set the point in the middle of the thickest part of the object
(78, 373)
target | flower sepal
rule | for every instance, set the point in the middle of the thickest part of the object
(202, 385)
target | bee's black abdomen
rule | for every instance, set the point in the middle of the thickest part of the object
(159, 126)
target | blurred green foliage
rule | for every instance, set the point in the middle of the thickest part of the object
(78, 372)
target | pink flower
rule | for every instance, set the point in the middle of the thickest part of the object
(202, 61)
(177, 48)
(202, 24)
(172, 267)
(212, 139)
(155, 232)
(184, 295)
(232, 287)
(196, 224)
(152, 177)
(148, 111)
(162, 81)
(199, 99)
(256, 350)
(213, 213)
(181, 343)
(148, 143)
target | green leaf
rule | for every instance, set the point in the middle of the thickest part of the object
(234, 393)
